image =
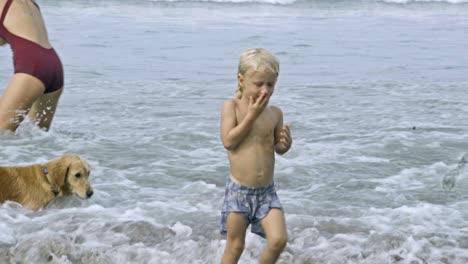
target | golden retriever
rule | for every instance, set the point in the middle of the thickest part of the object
(37, 185)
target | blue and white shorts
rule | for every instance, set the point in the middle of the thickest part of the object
(253, 203)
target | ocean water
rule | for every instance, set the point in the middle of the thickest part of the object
(375, 92)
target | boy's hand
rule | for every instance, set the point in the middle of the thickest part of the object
(256, 106)
(285, 140)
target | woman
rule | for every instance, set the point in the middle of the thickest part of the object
(37, 84)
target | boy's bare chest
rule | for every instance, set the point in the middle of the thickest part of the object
(264, 125)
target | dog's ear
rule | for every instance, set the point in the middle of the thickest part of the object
(58, 172)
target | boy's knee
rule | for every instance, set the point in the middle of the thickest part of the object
(235, 247)
(277, 243)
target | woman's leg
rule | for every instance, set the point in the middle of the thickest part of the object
(17, 99)
(43, 110)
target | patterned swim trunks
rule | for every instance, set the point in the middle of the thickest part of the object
(253, 203)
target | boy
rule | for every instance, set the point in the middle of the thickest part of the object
(252, 132)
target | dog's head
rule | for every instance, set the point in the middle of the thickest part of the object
(69, 174)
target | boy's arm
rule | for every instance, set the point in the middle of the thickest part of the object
(283, 139)
(232, 134)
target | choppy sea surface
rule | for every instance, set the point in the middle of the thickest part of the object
(375, 91)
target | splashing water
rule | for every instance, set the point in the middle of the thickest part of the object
(451, 177)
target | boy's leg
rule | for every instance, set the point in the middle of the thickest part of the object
(43, 110)
(236, 226)
(274, 227)
(22, 91)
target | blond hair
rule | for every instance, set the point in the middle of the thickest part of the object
(256, 59)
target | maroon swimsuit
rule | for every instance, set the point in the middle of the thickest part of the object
(33, 59)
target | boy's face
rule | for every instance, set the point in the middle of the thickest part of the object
(256, 82)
